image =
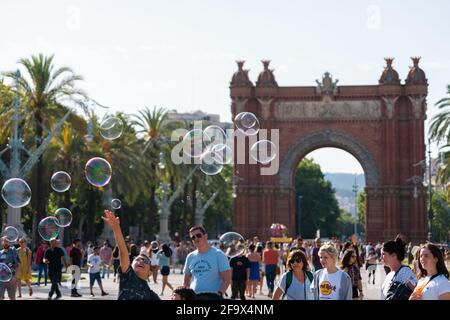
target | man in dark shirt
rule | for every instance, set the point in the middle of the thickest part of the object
(131, 287)
(75, 260)
(9, 257)
(240, 266)
(54, 258)
(133, 274)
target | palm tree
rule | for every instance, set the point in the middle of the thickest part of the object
(440, 132)
(440, 124)
(47, 91)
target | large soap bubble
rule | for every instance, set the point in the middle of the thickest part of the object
(263, 151)
(216, 135)
(111, 128)
(11, 234)
(48, 228)
(63, 217)
(60, 181)
(16, 193)
(194, 143)
(247, 123)
(5, 273)
(98, 172)
(232, 244)
(224, 154)
(211, 163)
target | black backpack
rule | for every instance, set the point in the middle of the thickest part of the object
(398, 290)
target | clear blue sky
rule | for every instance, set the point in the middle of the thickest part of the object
(181, 54)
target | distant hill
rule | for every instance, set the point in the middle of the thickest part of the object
(345, 181)
(343, 184)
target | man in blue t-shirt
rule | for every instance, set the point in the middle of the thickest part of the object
(207, 269)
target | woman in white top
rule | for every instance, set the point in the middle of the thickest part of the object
(393, 253)
(433, 275)
(330, 283)
(295, 284)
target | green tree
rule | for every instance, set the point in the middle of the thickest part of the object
(46, 92)
(361, 201)
(441, 217)
(319, 207)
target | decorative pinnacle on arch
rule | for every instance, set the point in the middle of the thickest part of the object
(240, 64)
(389, 61)
(266, 64)
(416, 61)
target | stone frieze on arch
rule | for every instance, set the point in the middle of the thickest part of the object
(335, 110)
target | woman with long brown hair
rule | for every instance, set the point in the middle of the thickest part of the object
(295, 284)
(433, 275)
(349, 264)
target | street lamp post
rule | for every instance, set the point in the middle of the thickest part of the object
(299, 217)
(430, 196)
(355, 190)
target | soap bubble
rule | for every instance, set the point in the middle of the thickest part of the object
(194, 143)
(48, 228)
(116, 204)
(111, 128)
(247, 123)
(63, 217)
(211, 163)
(224, 154)
(154, 245)
(98, 172)
(5, 273)
(216, 135)
(232, 244)
(16, 193)
(11, 233)
(263, 151)
(60, 181)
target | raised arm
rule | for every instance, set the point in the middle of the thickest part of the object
(114, 223)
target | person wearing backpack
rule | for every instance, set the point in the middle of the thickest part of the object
(400, 281)
(295, 284)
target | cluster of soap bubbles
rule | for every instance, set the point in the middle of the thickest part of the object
(262, 151)
(208, 145)
(48, 228)
(232, 244)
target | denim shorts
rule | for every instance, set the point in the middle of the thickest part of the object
(93, 277)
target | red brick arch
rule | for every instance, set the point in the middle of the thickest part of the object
(382, 126)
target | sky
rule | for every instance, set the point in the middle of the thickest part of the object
(181, 54)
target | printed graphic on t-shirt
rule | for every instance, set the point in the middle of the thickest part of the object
(326, 288)
(201, 267)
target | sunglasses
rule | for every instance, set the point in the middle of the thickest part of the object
(141, 259)
(298, 260)
(197, 235)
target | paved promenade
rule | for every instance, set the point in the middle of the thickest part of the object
(176, 279)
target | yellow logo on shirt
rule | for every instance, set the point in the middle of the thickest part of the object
(326, 288)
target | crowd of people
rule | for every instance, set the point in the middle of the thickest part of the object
(301, 270)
